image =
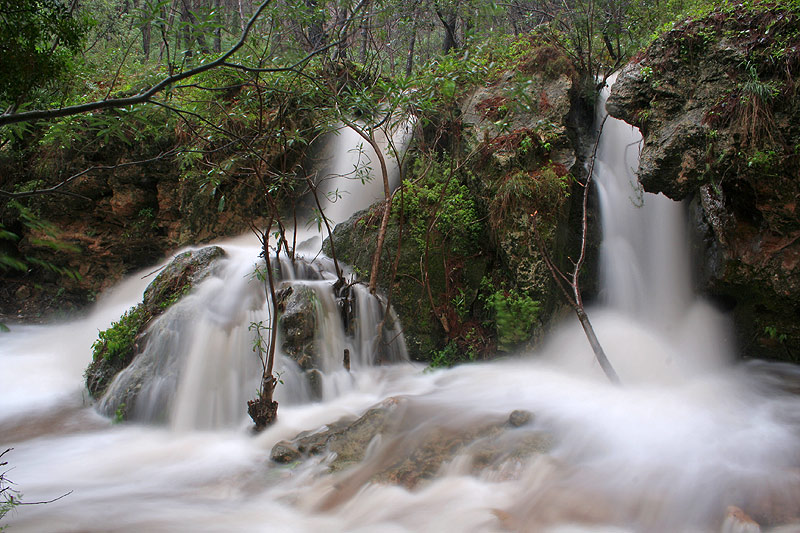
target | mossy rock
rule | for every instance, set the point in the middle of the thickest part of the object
(355, 243)
(117, 346)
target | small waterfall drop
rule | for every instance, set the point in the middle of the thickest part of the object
(644, 260)
(349, 179)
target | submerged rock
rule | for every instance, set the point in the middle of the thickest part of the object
(519, 418)
(398, 442)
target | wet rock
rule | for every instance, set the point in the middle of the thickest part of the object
(737, 521)
(284, 452)
(690, 93)
(298, 324)
(314, 378)
(519, 418)
(120, 345)
(186, 270)
(399, 442)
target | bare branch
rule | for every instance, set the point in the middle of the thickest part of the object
(56, 189)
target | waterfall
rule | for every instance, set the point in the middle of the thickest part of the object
(199, 367)
(644, 260)
(682, 441)
(349, 176)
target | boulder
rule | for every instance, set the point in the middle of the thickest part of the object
(399, 442)
(118, 346)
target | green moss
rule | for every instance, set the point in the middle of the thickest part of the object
(117, 342)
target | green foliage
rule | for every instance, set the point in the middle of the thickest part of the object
(117, 342)
(38, 40)
(754, 114)
(514, 315)
(451, 355)
(773, 333)
(42, 235)
(9, 496)
(543, 191)
(120, 414)
(457, 220)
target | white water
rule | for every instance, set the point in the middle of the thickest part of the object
(685, 437)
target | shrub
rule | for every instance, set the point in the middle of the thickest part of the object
(116, 343)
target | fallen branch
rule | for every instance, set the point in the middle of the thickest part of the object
(570, 284)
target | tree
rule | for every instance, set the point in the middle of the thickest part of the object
(38, 40)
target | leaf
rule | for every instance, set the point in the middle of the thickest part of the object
(449, 88)
(4, 328)
(221, 205)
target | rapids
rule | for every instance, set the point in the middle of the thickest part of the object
(687, 435)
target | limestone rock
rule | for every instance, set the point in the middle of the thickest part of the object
(297, 324)
(403, 443)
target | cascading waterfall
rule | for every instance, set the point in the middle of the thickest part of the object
(199, 368)
(684, 437)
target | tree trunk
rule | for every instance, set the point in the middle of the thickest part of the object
(597, 348)
(218, 30)
(263, 410)
(449, 23)
(242, 18)
(411, 44)
(364, 34)
(387, 211)
(316, 34)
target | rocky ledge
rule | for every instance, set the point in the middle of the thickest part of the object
(720, 114)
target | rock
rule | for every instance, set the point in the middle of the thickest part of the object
(130, 340)
(401, 442)
(186, 270)
(737, 521)
(297, 324)
(712, 137)
(523, 131)
(520, 418)
(284, 452)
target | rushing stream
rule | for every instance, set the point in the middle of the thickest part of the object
(687, 435)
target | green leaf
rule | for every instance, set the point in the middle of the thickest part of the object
(448, 88)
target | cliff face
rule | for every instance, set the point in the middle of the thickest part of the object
(719, 109)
